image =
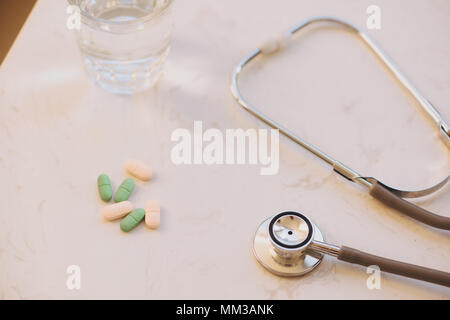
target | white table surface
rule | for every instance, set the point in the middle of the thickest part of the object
(58, 131)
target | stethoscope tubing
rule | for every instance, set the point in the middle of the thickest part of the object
(355, 256)
(365, 259)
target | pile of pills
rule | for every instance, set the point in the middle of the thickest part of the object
(124, 208)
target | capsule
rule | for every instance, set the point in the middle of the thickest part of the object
(138, 169)
(124, 190)
(132, 220)
(117, 210)
(152, 214)
(104, 187)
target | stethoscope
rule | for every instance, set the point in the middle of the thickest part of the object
(389, 196)
(289, 243)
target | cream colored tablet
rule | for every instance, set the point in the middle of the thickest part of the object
(117, 210)
(138, 169)
(152, 214)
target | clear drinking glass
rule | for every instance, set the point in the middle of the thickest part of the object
(124, 43)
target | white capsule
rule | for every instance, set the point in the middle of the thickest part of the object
(138, 169)
(152, 214)
(117, 210)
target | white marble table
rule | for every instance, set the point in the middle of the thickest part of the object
(58, 131)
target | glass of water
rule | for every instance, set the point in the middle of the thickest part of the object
(124, 43)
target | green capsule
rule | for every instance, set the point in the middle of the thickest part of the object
(104, 187)
(132, 219)
(124, 191)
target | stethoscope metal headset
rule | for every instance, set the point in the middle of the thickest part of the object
(289, 243)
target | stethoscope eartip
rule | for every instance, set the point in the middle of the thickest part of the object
(280, 244)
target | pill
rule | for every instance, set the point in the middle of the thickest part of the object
(104, 187)
(124, 190)
(152, 214)
(132, 220)
(138, 169)
(117, 210)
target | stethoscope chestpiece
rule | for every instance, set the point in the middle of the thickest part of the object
(281, 242)
(290, 244)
